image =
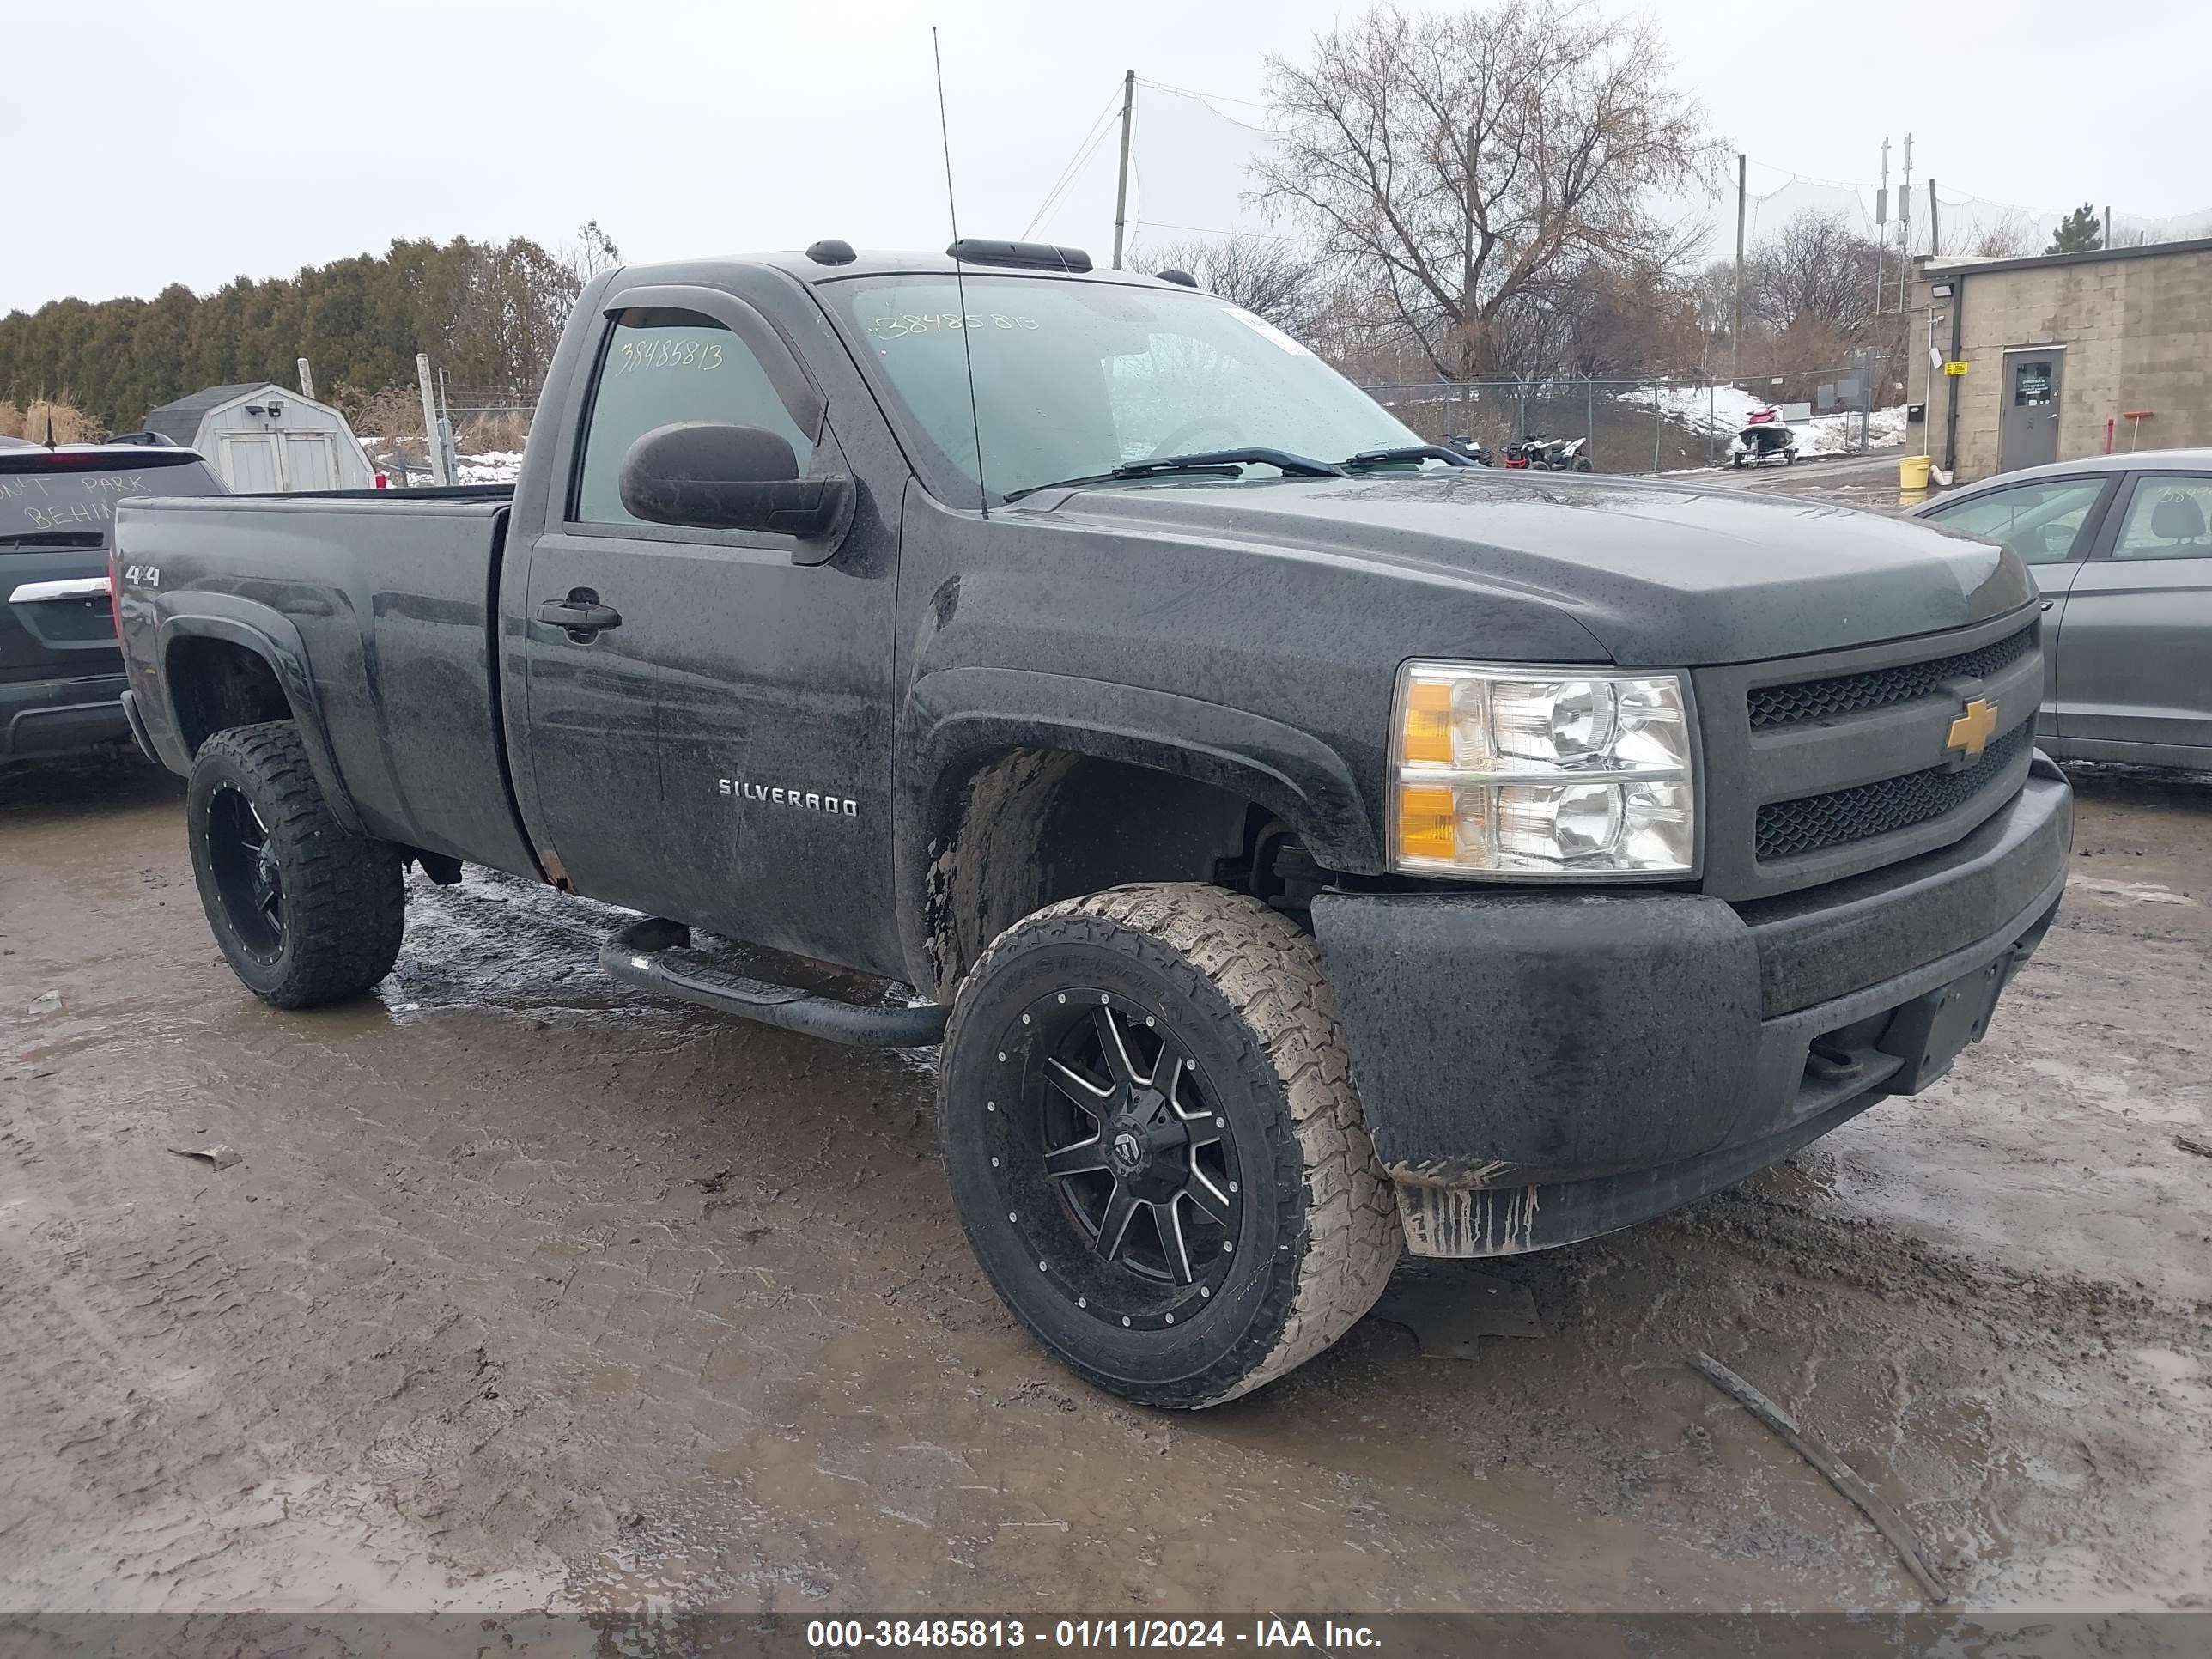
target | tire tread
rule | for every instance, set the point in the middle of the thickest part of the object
(345, 894)
(1338, 1208)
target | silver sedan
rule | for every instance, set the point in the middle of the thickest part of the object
(2121, 546)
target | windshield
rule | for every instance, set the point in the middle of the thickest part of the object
(63, 496)
(1074, 378)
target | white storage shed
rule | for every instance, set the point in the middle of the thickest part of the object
(262, 438)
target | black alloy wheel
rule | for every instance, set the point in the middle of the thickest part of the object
(1154, 1146)
(1114, 1141)
(248, 880)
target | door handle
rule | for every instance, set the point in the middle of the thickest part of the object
(580, 614)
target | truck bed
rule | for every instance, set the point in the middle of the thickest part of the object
(394, 595)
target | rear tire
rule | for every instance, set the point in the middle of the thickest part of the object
(1256, 1225)
(305, 912)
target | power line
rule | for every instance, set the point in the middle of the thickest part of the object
(1208, 98)
(1084, 149)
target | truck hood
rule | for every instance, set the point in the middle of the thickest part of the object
(1661, 574)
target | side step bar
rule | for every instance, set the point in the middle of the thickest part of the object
(641, 955)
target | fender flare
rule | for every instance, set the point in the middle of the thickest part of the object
(273, 637)
(955, 718)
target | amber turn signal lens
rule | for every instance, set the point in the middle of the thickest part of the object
(1427, 736)
(1426, 823)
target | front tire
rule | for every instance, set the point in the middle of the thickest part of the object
(305, 912)
(1155, 1146)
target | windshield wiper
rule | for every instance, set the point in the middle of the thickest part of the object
(1367, 458)
(1225, 461)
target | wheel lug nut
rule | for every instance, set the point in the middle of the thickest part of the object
(1205, 1290)
(1125, 1319)
(1232, 1185)
(1170, 1319)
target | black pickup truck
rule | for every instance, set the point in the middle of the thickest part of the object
(1303, 841)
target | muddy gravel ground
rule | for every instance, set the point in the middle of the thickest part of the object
(530, 1290)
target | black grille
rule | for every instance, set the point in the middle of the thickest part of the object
(1790, 828)
(1820, 700)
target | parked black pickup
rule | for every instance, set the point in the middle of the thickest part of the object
(1305, 843)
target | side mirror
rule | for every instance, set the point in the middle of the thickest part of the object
(702, 475)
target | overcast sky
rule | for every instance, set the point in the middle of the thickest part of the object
(195, 140)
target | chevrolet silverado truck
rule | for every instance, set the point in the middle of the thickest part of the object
(1305, 844)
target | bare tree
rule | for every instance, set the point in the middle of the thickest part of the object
(1267, 276)
(2010, 237)
(1464, 163)
(1816, 272)
(592, 252)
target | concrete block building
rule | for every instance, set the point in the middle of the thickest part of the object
(2063, 349)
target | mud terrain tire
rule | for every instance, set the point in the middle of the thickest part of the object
(1214, 988)
(306, 912)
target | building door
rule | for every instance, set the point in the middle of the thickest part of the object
(247, 461)
(311, 461)
(2028, 429)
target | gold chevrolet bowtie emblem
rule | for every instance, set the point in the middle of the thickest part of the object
(1971, 732)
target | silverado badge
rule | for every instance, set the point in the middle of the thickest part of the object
(1969, 733)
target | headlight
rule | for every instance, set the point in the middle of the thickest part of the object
(1496, 771)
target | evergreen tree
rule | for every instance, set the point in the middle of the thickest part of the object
(491, 314)
(2079, 232)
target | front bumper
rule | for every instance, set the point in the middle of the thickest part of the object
(43, 717)
(1538, 1068)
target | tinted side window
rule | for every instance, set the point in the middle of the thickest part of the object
(2168, 519)
(662, 366)
(2039, 522)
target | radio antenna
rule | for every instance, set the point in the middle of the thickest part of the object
(959, 272)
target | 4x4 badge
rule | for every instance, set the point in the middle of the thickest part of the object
(1971, 732)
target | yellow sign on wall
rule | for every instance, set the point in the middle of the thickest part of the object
(1956, 366)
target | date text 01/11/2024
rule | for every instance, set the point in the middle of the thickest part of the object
(856, 1635)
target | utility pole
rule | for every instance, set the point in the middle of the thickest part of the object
(2108, 225)
(1880, 225)
(433, 427)
(306, 379)
(1935, 224)
(1121, 185)
(1905, 226)
(1735, 327)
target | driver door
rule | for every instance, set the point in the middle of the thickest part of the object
(2052, 524)
(708, 714)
